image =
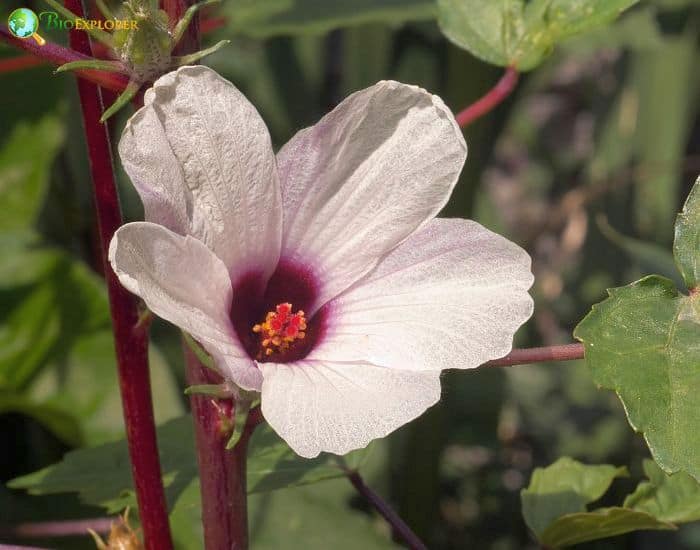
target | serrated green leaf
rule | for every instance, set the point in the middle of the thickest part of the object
(686, 245)
(102, 474)
(564, 487)
(281, 17)
(519, 33)
(644, 343)
(673, 498)
(602, 523)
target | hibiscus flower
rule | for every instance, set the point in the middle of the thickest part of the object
(319, 276)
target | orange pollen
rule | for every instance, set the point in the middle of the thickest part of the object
(280, 328)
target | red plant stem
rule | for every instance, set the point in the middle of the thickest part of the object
(399, 527)
(58, 55)
(567, 352)
(222, 473)
(19, 63)
(131, 342)
(50, 529)
(493, 97)
(13, 547)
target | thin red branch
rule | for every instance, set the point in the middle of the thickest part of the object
(58, 55)
(131, 343)
(222, 473)
(490, 100)
(398, 526)
(64, 528)
(19, 63)
(566, 352)
(13, 547)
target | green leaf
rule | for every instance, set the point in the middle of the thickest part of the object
(554, 505)
(41, 323)
(602, 523)
(519, 33)
(674, 498)
(102, 475)
(686, 246)
(25, 260)
(278, 17)
(564, 487)
(25, 166)
(644, 343)
(314, 518)
(273, 465)
(301, 518)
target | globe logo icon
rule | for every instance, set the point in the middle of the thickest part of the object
(24, 23)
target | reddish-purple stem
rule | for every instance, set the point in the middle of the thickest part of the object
(222, 473)
(566, 352)
(131, 342)
(58, 55)
(19, 63)
(398, 526)
(490, 100)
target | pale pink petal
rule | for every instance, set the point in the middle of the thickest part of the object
(450, 297)
(200, 156)
(182, 281)
(336, 407)
(367, 175)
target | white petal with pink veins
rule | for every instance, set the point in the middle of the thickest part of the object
(367, 175)
(336, 407)
(201, 158)
(182, 281)
(450, 297)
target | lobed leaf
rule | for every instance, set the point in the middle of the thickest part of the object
(643, 342)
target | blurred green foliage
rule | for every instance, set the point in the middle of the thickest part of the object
(586, 166)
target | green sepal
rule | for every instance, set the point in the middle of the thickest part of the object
(199, 352)
(179, 61)
(219, 391)
(93, 65)
(186, 19)
(240, 417)
(126, 96)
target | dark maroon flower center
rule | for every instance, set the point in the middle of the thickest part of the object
(271, 321)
